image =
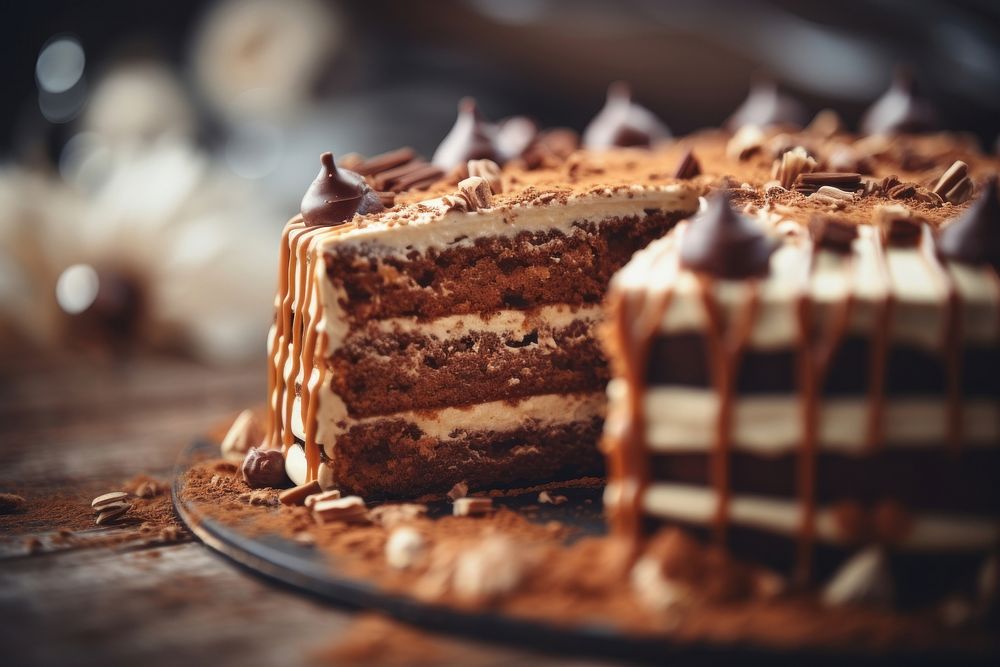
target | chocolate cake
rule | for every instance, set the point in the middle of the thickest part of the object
(807, 372)
(436, 320)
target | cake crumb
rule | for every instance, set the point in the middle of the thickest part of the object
(460, 490)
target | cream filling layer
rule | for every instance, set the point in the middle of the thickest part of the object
(698, 505)
(685, 419)
(451, 423)
(545, 319)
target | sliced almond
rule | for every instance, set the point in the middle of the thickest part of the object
(100, 502)
(112, 514)
(332, 494)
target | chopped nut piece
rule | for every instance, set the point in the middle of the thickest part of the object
(546, 499)
(264, 497)
(477, 191)
(489, 171)
(113, 498)
(456, 202)
(864, 579)
(747, 141)
(492, 569)
(10, 503)
(332, 494)
(349, 509)
(902, 191)
(791, 165)
(149, 489)
(404, 547)
(460, 490)
(246, 432)
(298, 494)
(472, 506)
(393, 514)
(836, 193)
(654, 590)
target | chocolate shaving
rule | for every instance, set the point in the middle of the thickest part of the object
(688, 167)
(809, 183)
(386, 161)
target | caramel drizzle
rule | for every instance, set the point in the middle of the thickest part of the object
(298, 341)
(951, 337)
(634, 323)
(814, 361)
(725, 349)
(878, 358)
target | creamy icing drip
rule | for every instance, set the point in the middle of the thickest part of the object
(889, 301)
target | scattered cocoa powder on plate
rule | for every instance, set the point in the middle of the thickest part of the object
(548, 578)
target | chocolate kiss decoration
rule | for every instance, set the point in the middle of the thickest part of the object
(765, 106)
(623, 123)
(974, 237)
(901, 109)
(471, 138)
(336, 195)
(514, 136)
(725, 244)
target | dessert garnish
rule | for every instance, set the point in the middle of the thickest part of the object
(688, 167)
(623, 123)
(264, 468)
(974, 237)
(901, 109)
(767, 106)
(471, 138)
(725, 244)
(336, 195)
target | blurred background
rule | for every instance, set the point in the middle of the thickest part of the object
(151, 151)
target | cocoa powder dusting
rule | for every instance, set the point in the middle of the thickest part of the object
(544, 575)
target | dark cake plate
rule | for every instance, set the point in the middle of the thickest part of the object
(307, 571)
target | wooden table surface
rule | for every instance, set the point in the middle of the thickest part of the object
(74, 428)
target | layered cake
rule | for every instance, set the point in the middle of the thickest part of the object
(436, 320)
(807, 372)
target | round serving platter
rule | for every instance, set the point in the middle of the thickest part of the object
(303, 569)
